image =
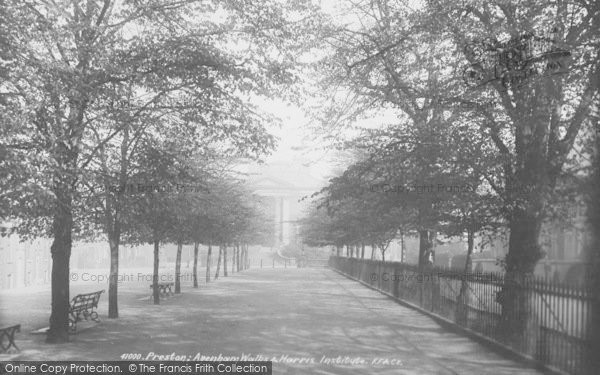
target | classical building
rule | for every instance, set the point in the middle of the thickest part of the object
(284, 185)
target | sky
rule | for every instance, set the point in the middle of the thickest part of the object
(295, 146)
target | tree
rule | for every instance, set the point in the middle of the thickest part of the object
(540, 123)
(76, 59)
(388, 60)
(156, 208)
(407, 58)
(592, 279)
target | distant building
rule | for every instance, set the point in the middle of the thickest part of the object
(284, 185)
(23, 263)
(562, 241)
(29, 263)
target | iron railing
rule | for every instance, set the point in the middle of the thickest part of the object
(556, 313)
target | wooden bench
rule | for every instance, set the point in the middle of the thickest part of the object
(7, 338)
(165, 289)
(82, 308)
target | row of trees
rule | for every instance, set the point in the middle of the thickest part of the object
(440, 161)
(221, 213)
(124, 118)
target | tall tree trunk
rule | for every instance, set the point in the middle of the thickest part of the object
(208, 262)
(243, 256)
(65, 152)
(155, 291)
(526, 192)
(113, 307)
(195, 267)
(517, 319)
(113, 207)
(239, 267)
(525, 230)
(61, 253)
(225, 261)
(219, 261)
(113, 230)
(592, 280)
(373, 248)
(462, 300)
(233, 249)
(425, 247)
(362, 251)
(178, 268)
(402, 248)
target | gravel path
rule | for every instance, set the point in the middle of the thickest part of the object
(309, 321)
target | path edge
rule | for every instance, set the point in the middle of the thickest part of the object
(497, 347)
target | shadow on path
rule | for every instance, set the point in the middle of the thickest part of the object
(303, 319)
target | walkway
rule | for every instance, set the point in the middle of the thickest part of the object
(309, 321)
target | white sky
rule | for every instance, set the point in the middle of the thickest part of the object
(293, 146)
(296, 144)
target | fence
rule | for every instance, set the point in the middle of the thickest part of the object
(556, 313)
(272, 263)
